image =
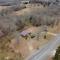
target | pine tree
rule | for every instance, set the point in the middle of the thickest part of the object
(57, 55)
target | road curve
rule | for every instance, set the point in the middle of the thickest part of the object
(45, 51)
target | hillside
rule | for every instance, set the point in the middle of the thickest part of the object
(24, 28)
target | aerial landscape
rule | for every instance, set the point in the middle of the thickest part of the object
(29, 29)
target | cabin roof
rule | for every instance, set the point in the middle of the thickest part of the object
(29, 30)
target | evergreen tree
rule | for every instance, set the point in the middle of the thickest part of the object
(57, 55)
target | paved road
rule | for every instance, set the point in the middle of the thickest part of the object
(45, 51)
